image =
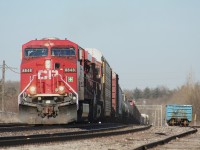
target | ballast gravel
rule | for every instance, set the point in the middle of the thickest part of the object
(119, 142)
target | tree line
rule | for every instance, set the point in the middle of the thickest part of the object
(148, 93)
(189, 93)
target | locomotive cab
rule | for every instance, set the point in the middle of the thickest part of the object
(48, 82)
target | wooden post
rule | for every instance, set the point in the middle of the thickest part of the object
(195, 119)
(3, 85)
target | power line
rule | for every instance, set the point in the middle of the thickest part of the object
(12, 69)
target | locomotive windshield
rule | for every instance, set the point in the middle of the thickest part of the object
(63, 51)
(35, 52)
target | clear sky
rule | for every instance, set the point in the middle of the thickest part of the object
(147, 42)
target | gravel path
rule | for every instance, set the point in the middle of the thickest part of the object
(120, 142)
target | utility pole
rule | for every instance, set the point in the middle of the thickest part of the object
(3, 84)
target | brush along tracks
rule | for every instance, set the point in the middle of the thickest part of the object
(103, 131)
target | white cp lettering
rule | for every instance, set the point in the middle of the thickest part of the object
(47, 74)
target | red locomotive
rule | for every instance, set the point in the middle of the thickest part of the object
(62, 82)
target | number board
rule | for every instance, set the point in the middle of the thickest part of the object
(70, 70)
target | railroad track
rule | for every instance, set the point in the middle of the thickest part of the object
(12, 124)
(191, 141)
(167, 141)
(14, 127)
(28, 127)
(156, 137)
(65, 136)
(130, 141)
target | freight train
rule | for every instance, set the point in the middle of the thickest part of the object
(61, 83)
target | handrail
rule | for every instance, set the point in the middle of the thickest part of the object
(72, 91)
(25, 89)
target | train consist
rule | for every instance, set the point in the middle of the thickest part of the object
(178, 114)
(62, 82)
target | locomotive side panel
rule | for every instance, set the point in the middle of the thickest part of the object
(80, 74)
(96, 102)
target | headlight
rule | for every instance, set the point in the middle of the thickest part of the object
(47, 64)
(74, 98)
(61, 89)
(32, 90)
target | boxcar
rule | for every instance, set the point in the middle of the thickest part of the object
(178, 114)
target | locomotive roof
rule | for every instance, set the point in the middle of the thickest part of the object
(50, 41)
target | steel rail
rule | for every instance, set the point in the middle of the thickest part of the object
(4, 125)
(43, 138)
(196, 126)
(166, 140)
(11, 127)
